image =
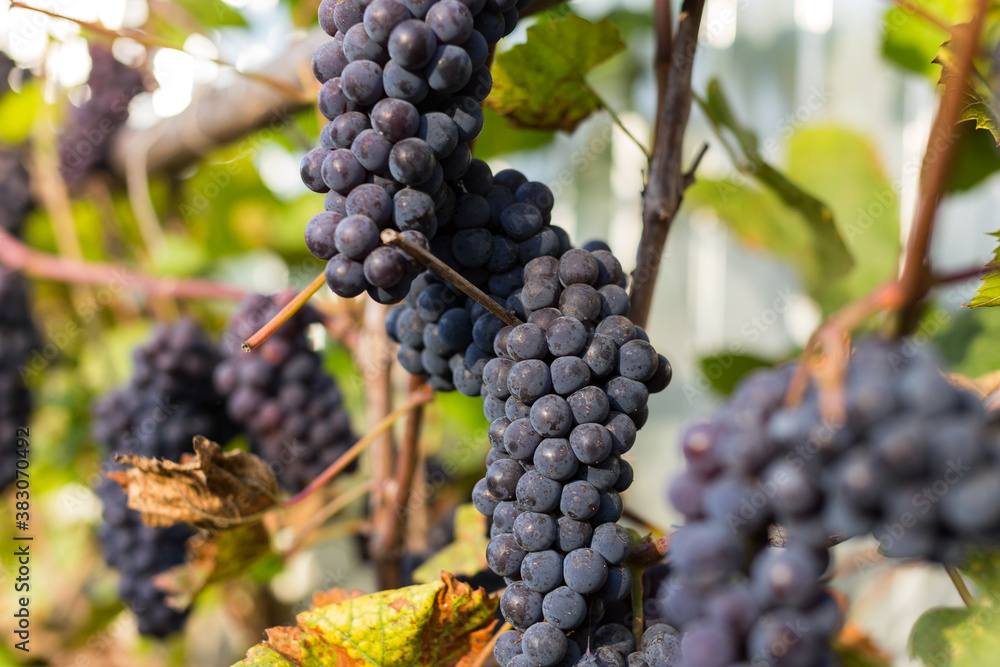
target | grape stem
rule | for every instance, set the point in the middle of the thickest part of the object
(487, 651)
(648, 554)
(16, 255)
(667, 180)
(418, 398)
(386, 537)
(329, 510)
(936, 167)
(963, 590)
(618, 121)
(423, 256)
(283, 315)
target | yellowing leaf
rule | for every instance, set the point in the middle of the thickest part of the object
(989, 291)
(442, 624)
(466, 555)
(541, 83)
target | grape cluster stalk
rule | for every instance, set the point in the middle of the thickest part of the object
(292, 409)
(402, 87)
(168, 401)
(913, 461)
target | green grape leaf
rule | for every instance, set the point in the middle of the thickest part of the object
(542, 84)
(984, 118)
(500, 136)
(814, 230)
(989, 290)
(466, 555)
(724, 371)
(213, 13)
(976, 157)
(442, 624)
(928, 642)
(983, 567)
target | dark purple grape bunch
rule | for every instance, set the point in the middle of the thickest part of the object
(914, 462)
(442, 333)
(565, 396)
(168, 401)
(18, 341)
(402, 87)
(292, 409)
(84, 142)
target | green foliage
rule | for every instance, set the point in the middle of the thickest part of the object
(989, 290)
(500, 136)
(912, 42)
(976, 158)
(542, 83)
(466, 555)
(439, 624)
(724, 371)
(19, 110)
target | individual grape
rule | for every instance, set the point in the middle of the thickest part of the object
(320, 234)
(661, 378)
(576, 266)
(381, 17)
(579, 500)
(544, 644)
(480, 83)
(537, 493)
(625, 395)
(591, 443)
(383, 267)
(625, 475)
(455, 165)
(526, 341)
(345, 277)
(521, 220)
(440, 133)
(564, 608)
(490, 24)
(451, 22)
(612, 542)
(521, 606)
(411, 161)
(601, 355)
(468, 117)
(507, 646)
(504, 556)
(359, 46)
(412, 44)
(413, 210)
(483, 499)
(614, 301)
(554, 458)
(566, 337)
(515, 409)
(493, 408)
(534, 531)
(328, 61)
(504, 515)
(542, 570)
(609, 508)
(637, 360)
(569, 374)
(604, 475)
(521, 440)
(502, 479)
(495, 377)
(589, 405)
(341, 171)
(455, 329)
(528, 380)
(581, 302)
(347, 13)
(311, 170)
(472, 247)
(356, 236)
(551, 416)
(361, 82)
(449, 70)
(618, 585)
(584, 571)
(573, 534)
(395, 119)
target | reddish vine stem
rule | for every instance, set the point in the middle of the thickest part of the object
(16, 255)
(959, 276)
(387, 537)
(665, 187)
(283, 315)
(423, 256)
(418, 398)
(936, 167)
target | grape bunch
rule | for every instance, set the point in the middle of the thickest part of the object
(292, 410)
(83, 145)
(168, 401)
(913, 461)
(18, 339)
(564, 396)
(441, 332)
(402, 86)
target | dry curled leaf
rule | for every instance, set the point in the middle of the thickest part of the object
(215, 490)
(442, 624)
